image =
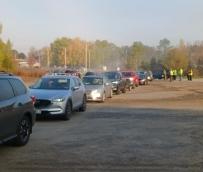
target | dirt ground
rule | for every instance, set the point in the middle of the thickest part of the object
(158, 127)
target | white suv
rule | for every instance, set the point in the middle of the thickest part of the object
(58, 95)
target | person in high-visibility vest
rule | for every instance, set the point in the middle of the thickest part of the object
(190, 74)
(180, 73)
(171, 75)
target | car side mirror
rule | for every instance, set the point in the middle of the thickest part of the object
(75, 88)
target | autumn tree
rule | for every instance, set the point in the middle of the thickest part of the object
(136, 54)
(6, 55)
(177, 57)
(33, 56)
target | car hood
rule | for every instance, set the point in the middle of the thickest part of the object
(94, 87)
(49, 94)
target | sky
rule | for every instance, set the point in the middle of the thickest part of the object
(37, 23)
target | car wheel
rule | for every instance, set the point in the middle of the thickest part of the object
(118, 91)
(129, 88)
(68, 111)
(23, 131)
(124, 90)
(103, 97)
(84, 104)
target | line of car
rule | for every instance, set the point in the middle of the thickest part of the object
(55, 94)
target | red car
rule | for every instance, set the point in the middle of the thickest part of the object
(132, 78)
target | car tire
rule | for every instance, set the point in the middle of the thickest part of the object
(68, 111)
(84, 104)
(118, 91)
(130, 88)
(103, 97)
(124, 90)
(23, 131)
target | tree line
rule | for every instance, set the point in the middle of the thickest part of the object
(77, 53)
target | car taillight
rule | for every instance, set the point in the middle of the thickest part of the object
(33, 99)
(131, 78)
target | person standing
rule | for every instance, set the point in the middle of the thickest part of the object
(190, 74)
(171, 75)
(180, 73)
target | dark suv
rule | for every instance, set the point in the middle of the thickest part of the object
(16, 110)
(118, 82)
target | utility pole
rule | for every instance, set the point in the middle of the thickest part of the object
(89, 59)
(39, 60)
(48, 58)
(86, 56)
(65, 60)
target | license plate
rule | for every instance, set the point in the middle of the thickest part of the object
(38, 111)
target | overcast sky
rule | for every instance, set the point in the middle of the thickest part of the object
(36, 23)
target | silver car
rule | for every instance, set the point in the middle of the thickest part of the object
(97, 88)
(58, 95)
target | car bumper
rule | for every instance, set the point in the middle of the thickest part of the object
(94, 98)
(49, 111)
(114, 87)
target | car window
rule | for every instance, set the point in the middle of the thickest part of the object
(77, 82)
(6, 90)
(111, 75)
(92, 81)
(80, 82)
(52, 84)
(18, 87)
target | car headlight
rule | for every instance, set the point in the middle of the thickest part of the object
(96, 93)
(58, 99)
(115, 82)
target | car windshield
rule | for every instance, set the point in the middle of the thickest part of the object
(52, 84)
(142, 76)
(127, 74)
(92, 81)
(111, 75)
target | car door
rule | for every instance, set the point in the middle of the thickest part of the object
(107, 87)
(78, 91)
(22, 101)
(81, 91)
(74, 92)
(8, 116)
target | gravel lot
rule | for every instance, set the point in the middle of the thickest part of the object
(158, 127)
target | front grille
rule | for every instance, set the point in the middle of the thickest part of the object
(42, 103)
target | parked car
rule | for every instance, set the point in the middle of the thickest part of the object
(98, 88)
(132, 79)
(158, 74)
(58, 95)
(143, 79)
(149, 75)
(118, 82)
(91, 73)
(17, 115)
